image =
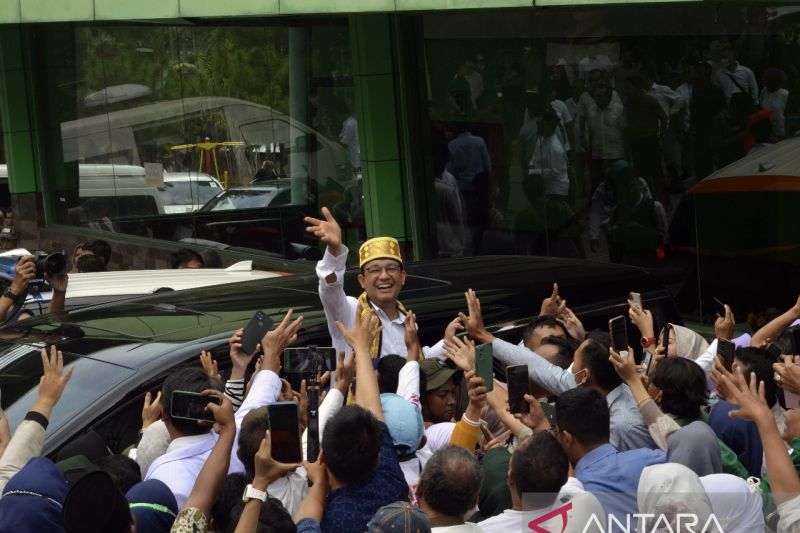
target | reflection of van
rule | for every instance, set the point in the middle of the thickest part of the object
(117, 191)
(184, 192)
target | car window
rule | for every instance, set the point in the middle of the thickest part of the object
(188, 193)
(91, 379)
(245, 199)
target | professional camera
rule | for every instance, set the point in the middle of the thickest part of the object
(52, 264)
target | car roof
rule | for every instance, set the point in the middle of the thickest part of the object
(189, 176)
(772, 168)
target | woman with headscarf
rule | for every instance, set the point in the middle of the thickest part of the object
(33, 500)
(669, 490)
(671, 406)
(153, 505)
(735, 504)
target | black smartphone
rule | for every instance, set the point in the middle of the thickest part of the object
(311, 359)
(618, 330)
(255, 330)
(774, 351)
(284, 428)
(192, 406)
(719, 307)
(549, 412)
(484, 364)
(665, 334)
(727, 350)
(517, 379)
(795, 336)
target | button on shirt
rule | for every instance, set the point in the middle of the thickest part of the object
(613, 476)
(628, 430)
(340, 307)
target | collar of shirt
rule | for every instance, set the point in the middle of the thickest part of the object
(385, 318)
(594, 456)
(615, 394)
(184, 442)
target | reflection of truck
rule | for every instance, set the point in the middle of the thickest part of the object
(145, 133)
(736, 230)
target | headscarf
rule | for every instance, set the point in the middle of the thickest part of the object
(670, 489)
(95, 504)
(153, 505)
(33, 499)
(689, 344)
(735, 505)
(696, 447)
(92, 445)
(437, 437)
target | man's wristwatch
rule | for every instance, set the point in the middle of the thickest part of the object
(252, 493)
(8, 293)
(649, 341)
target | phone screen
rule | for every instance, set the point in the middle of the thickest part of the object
(192, 406)
(517, 376)
(484, 364)
(636, 298)
(549, 412)
(311, 359)
(618, 330)
(284, 428)
(665, 333)
(647, 358)
(727, 350)
(255, 330)
(795, 336)
(719, 307)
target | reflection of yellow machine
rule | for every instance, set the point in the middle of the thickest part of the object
(209, 150)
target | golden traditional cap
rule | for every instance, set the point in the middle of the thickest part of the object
(379, 248)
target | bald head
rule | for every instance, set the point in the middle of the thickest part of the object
(451, 482)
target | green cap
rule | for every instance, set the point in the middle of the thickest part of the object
(436, 373)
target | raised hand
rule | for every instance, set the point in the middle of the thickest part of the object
(625, 366)
(327, 230)
(474, 322)
(24, 271)
(52, 382)
(345, 373)
(275, 342)
(572, 324)
(209, 365)
(748, 395)
(725, 325)
(413, 346)
(535, 418)
(223, 413)
(642, 319)
(267, 469)
(789, 373)
(553, 304)
(151, 411)
(453, 327)
(721, 377)
(365, 328)
(461, 352)
(239, 357)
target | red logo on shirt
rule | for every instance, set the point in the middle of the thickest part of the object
(534, 524)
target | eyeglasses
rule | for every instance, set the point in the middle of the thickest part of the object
(392, 270)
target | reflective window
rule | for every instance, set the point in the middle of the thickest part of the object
(661, 136)
(183, 132)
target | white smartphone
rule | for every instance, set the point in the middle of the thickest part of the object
(636, 298)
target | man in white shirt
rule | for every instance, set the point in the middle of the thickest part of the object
(543, 497)
(734, 78)
(382, 277)
(549, 157)
(191, 443)
(449, 488)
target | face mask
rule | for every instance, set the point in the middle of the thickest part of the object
(581, 376)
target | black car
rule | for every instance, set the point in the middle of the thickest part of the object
(121, 350)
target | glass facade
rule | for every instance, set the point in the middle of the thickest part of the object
(660, 136)
(225, 135)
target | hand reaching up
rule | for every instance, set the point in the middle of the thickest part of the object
(553, 304)
(474, 322)
(326, 230)
(52, 382)
(461, 352)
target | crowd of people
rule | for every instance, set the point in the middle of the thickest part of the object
(605, 146)
(413, 438)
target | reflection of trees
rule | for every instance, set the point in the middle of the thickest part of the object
(247, 63)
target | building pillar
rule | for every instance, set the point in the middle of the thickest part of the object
(374, 77)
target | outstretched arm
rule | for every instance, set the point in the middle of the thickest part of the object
(359, 338)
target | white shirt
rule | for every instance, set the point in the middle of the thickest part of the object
(342, 308)
(466, 527)
(605, 128)
(564, 117)
(775, 101)
(550, 161)
(349, 137)
(669, 100)
(179, 467)
(598, 62)
(685, 91)
(743, 76)
(583, 507)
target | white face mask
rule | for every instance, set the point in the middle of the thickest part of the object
(581, 376)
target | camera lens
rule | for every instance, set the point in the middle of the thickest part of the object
(54, 264)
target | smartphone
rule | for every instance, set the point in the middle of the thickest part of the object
(774, 351)
(311, 359)
(636, 298)
(549, 412)
(795, 336)
(665, 334)
(618, 330)
(647, 358)
(192, 406)
(719, 306)
(517, 378)
(255, 330)
(727, 350)
(484, 364)
(284, 428)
